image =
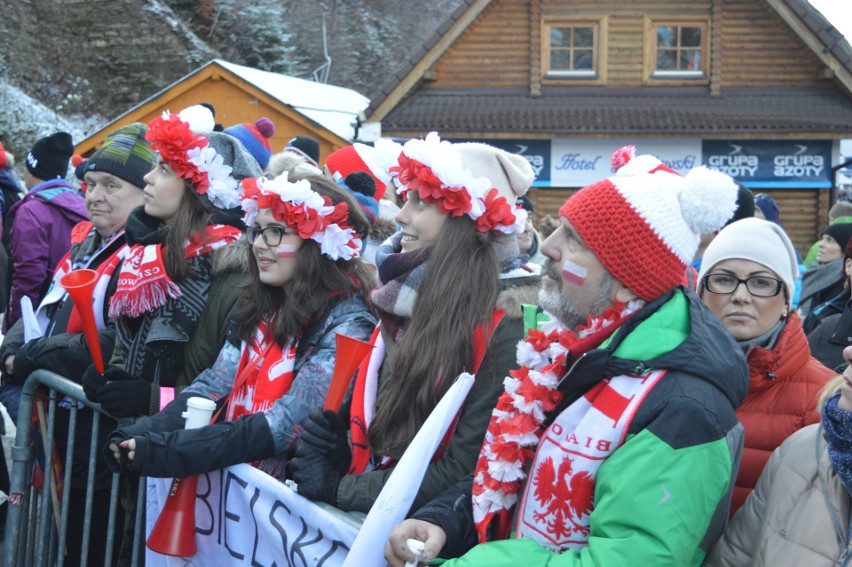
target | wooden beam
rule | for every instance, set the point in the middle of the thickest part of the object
(813, 42)
(427, 61)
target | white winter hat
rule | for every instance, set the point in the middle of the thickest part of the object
(757, 240)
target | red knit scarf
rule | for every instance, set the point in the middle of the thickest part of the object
(143, 284)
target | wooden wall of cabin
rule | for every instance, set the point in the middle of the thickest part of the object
(804, 212)
(757, 48)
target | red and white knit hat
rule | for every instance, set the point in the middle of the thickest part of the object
(360, 157)
(644, 224)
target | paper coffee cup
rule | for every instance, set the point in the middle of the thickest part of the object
(198, 412)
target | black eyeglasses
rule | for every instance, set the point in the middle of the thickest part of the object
(272, 235)
(758, 286)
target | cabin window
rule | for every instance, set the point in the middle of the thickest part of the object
(678, 49)
(570, 49)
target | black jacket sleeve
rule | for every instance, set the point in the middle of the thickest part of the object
(66, 354)
(188, 452)
(453, 512)
(12, 343)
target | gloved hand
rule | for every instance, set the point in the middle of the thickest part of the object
(23, 364)
(325, 433)
(317, 478)
(92, 381)
(322, 456)
(120, 393)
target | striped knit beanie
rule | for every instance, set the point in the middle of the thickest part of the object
(644, 223)
(255, 138)
(126, 154)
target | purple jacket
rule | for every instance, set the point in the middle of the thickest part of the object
(41, 226)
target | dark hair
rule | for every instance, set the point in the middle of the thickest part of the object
(459, 291)
(189, 220)
(318, 279)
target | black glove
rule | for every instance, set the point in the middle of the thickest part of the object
(120, 393)
(93, 381)
(24, 364)
(325, 433)
(322, 456)
(317, 478)
(126, 398)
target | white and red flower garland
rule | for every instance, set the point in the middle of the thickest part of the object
(191, 156)
(310, 214)
(517, 421)
(436, 171)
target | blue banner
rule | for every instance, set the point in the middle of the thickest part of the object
(537, 152)
(793, 163)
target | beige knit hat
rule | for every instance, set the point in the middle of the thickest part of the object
(757, 240)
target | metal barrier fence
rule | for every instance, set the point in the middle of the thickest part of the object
(37, 522)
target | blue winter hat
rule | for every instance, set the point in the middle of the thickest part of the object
(255, 138)
(361, 186)
(767, 205)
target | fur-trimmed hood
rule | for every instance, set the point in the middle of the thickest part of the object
(518, 291)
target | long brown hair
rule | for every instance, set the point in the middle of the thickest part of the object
(317, 279)
(459, 291)
(190, 218)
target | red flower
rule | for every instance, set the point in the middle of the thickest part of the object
(538, 340)
(173, 138)
(498, 212)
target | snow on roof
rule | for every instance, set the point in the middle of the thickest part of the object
(335, 108)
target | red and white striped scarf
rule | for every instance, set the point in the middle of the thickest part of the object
(143, 284)
(516, 427)
(265, 374)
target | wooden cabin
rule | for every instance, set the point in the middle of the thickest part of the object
(761, 89)
(243, 95)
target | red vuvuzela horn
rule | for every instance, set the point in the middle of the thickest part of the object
(80, 285)
(349, 355)
(174, 532)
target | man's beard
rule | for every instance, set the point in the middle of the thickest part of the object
(552, 300)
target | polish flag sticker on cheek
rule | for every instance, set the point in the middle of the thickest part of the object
(286, 250)
(574, 273)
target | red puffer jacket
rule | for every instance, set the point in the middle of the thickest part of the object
(784, 385)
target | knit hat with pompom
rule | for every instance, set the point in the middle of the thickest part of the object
(644, 223)
(255, 138)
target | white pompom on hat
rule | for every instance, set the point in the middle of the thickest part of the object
(757, 240)
(644, 223)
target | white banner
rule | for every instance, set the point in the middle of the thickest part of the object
(399, 491)
(245, 517)
(577, 163)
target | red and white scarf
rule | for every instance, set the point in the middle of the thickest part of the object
(366, 387)
(143, 284)
(264, 375)
(105, 270)
(516, 428)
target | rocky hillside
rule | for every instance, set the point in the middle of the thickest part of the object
(74, 64)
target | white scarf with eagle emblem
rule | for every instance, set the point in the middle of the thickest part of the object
(559, 495)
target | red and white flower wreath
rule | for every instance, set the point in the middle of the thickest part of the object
(434, 169)
(191, 156)
(310, 214)
(517, 421)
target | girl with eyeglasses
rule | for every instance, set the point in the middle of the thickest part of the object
(747, 279)
(306, 284)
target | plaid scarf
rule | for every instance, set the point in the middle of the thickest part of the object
(400, 274)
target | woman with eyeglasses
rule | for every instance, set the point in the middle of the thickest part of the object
(747, 279)
(306, 284)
